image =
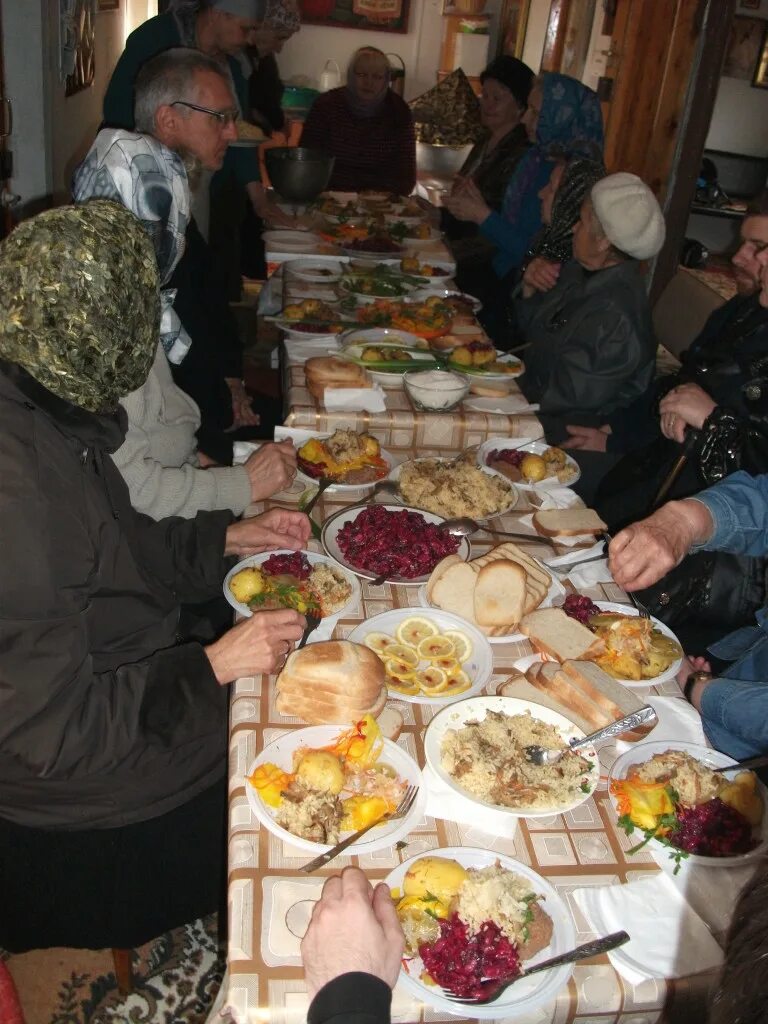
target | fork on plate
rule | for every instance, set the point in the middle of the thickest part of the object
(399, 812)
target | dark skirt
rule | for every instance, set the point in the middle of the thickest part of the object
(113, 888)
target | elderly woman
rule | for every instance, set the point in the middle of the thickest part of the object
(591, 341)
(367, 127)
(112, 715)
(281, 21)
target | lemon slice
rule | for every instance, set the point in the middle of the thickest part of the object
(431, 681)
(403, 652)
(461, 643)
(434, 647)
(379, 642)
(458, 682)
(408, 689)
(449, 665)
(398, 669)
(412, 631)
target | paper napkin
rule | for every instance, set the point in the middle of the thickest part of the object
(354, 399)
(444, 802)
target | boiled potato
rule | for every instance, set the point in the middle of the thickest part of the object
(742, 795)
(439, 876)
(293, 312)
(321, 770)
(483, 356)
(462, 356)
(372, 355)
(246, 584)
(360, 811)
(533, 468)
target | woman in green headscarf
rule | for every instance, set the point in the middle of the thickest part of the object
(112, 729)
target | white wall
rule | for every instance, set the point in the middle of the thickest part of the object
(740, 119)
(536, 30)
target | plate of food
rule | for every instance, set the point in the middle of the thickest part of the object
(422, 235)
(310, 317)
(368, 287)
(475, 747)
(426, 321)
(302, 580)
(354, 460)
(482, 360)
(370, 540)
(460, 303)
(311, 787)
(429, 657)
(315, 271)
(668, 794)
(470, 914)
(638, 651)
(529, 464)
(377, 336)
(387, 360)
(291, 241)
(494, 591)
(452, 488)
(373, 247)
(427, 272)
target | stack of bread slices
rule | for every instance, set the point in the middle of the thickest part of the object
(494, 591)
(331, 372)
(332, 682)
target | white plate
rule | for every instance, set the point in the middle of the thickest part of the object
(280, 752)
(438, 288)
(344, 488)
(382, 336)
(274, 239)
(674, 668)
(556, 591)
(526, 994)
(513, 495)
(312, 558)
(347, 287)
(478, 667)
(332, 526)
(478, 376)
(573, 557)
(645, 750)
(511, 405)
(536, 448)
(475, 710)
(411, 242)
(422, 359)
(291, 333)
(315, 271)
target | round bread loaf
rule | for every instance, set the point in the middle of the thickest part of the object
(333, 682)
(329, 369)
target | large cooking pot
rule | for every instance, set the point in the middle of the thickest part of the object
(298, 174)
(441, 161)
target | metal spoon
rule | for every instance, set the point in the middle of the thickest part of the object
(540, 755)
(463, 526)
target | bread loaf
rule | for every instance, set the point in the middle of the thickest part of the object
(554, 633)
(499, 594)
(567, 522)
(332, 682)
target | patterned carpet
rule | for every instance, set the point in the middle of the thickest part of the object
(175, 981)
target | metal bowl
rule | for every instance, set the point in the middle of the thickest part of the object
(441, 161)
(298, 174)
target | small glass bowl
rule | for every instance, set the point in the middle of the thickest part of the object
(427, 398)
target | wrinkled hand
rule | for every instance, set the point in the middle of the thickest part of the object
(242, 410)
(645, 551)
(353, 928)
(689, 665)
(685, 406)
(588, 439)
(467, 203)
(540, 276)
(256, 645)
(271, 469)
(277, 528)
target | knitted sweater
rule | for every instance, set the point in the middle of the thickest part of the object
(158, 458)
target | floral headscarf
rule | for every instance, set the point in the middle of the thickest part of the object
(570, 124)
(555, 242)
(150, 181)
(79, 302)
(282, 16)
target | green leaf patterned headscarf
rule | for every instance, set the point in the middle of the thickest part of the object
(80, 302)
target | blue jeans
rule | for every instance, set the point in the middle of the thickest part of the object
(735, 716)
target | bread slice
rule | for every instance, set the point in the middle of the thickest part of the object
(612, 696)
(391, 723)
(499, 595)
(558, 635)
(453, 591)
(438, 571)
(567, 522)
(523, 689)
(325, 712)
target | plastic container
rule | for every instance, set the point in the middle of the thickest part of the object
(436, 390)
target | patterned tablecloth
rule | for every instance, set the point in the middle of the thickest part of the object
(270, 901)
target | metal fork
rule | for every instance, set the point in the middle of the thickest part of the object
(640, 608)
(313, 621)
(399, 812)
(589, 949)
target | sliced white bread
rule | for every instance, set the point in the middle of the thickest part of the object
(500, 594)
(438, 571)
(567, 522)
(554, 633)
(317, 711)
(454, 590)
(612, 696)
(390, 722)
(523, 689)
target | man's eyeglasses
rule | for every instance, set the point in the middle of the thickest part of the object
(224, 117)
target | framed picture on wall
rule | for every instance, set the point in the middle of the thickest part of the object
(376, 15)
(751, 5)
(513, 24)
(108, 5)
(761, 71)
(744, 48)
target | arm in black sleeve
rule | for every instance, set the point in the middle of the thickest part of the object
(354, 998)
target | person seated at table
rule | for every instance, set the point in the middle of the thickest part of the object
(563, 119)
(505, 85)
(718, 393)
(367, 127)
(730, 516)
(351, 952)
(591, 346)
(113, 716)
(159, 458)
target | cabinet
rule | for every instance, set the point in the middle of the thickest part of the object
(468, 50)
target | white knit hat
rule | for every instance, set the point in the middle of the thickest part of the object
(629, 215)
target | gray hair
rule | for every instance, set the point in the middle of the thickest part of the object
(168, 77)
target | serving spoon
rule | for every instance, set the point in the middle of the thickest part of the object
(463, 526)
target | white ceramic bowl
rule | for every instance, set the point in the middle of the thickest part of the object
(381, 336)
(521, 1000)
(479, 665)
(428, 398)
(535, 448)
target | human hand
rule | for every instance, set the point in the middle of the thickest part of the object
(645, 551)
(689, 665)
(277, 528)
(685, 406)
(540, 276)
(271, 469)
(256, 645)
(588, 439)
(242, 410)
(467, 203)
(353, 928)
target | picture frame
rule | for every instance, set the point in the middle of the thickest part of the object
(760, 79)
(107, 5)
(750, 5)
(744, 48)
(513, 25)
(373, 15)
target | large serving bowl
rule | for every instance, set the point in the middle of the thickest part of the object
(298, 174)
(441, 161)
